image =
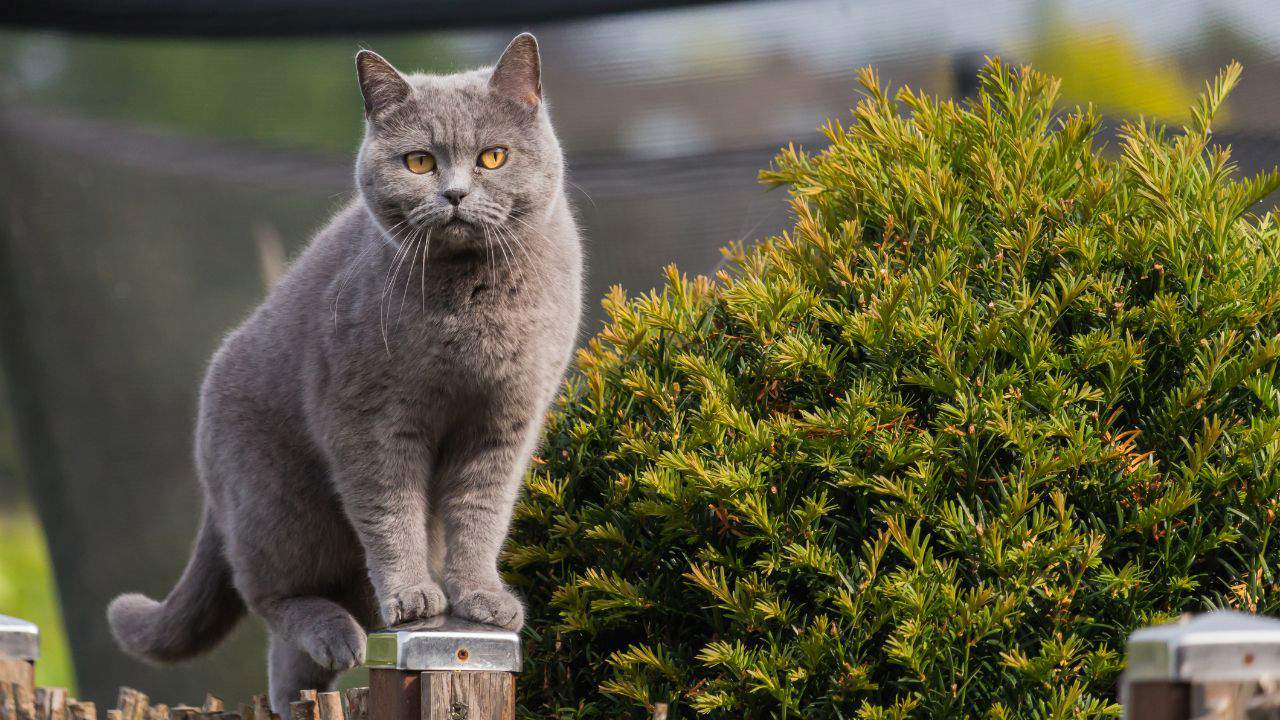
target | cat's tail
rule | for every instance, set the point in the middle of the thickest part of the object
(199, 611)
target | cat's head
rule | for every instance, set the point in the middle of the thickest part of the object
(465, 157)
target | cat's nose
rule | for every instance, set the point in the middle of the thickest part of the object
(454, 196)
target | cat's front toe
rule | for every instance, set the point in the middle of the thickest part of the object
(491, 607)
(413, 603)
(336, 643)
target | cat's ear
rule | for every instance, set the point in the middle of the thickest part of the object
(381, 84)
(518, 74)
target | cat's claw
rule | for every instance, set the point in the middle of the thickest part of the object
(420, 601)
(337, 643)
(491, 607)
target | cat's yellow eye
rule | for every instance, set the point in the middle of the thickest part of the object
(420, 162)
(493, 158)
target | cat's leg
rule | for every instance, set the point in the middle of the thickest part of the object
(320, 627)
(475, 502)
(289, 546)
(290, 670)
(383, 485)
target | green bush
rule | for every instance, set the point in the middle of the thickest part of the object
(998, 399)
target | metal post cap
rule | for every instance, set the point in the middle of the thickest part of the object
(1220, 646)
(19, 639)
(444, 643)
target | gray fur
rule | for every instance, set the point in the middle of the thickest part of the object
(362, 436)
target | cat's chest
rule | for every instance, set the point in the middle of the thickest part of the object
(483, 327)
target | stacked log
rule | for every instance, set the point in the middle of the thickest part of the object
(18, 702)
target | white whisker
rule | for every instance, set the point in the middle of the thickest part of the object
(426, 248)
(408, 278)
(382, 305)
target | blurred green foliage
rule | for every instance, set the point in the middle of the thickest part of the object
(27, 591)
(1104, 65)
(27, 588)
(299, 93)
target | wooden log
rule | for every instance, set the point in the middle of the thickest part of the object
(261, 708)
(82, 711)
(22, 672)
(51, 703)
(1158, 700)
(307, 695)
(19, 648)
(132, 704)
(8, 706)
(246, 711)
(357, 701)
(660, 711)
(395, 694)
(468, 694)
(142, 706)
(330, 706)
(304, 710)
(24, 701)
(182, 712)
(159, 711)
(213, 704)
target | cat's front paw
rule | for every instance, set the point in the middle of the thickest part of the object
(336, 643)
(491, 607)
(419, 601)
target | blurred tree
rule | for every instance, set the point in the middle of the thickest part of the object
(271, 91)
(1102, 64)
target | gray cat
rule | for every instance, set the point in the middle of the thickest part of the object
(362, 436)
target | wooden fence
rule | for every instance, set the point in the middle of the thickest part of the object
(1219, 666)
(440, 669)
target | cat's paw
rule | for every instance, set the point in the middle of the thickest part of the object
(491, 607)
(336, 643)
(420, 601)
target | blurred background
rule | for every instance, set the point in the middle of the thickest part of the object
(151, 188)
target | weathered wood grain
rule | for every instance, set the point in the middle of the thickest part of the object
(212, 704)
(468, 694)
(24, 699)
(8, 704)
(131, 703)
(303, 710)
(82, 711)
(261, 708)
(51, 703)
(330, 705)
(22, 672)
(357, 702)
(394, 695)
(1158, 701)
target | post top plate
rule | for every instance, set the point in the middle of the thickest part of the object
(19, 639)
(1219, 646)
(444, 643)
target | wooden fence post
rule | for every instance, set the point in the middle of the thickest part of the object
(1218, 665)
(19, 649)
(443, 669)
